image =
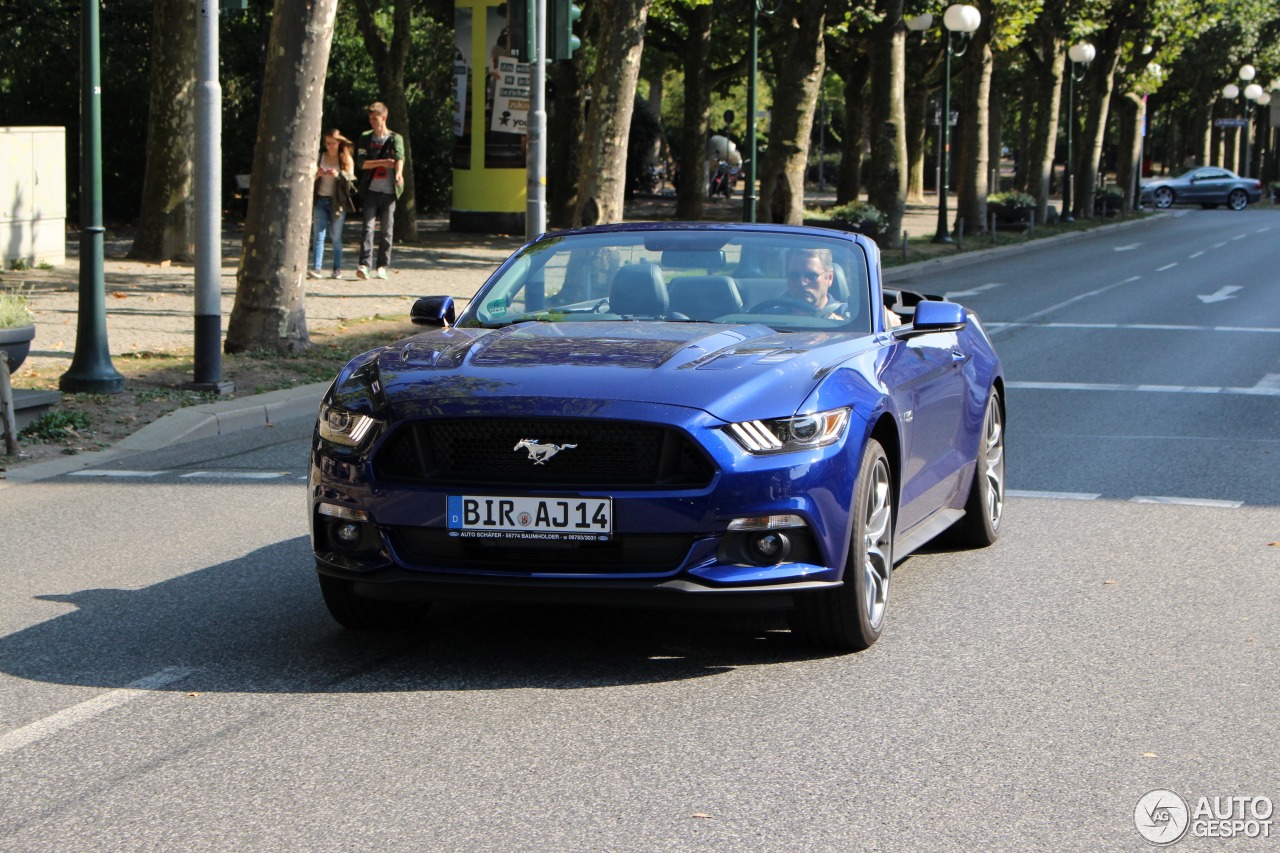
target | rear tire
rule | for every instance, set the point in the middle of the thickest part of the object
(852, 616)
(1238, 200)
(368, 614)
(980, 526)
(1163, 197)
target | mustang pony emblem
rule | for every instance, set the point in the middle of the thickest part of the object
(539, 452)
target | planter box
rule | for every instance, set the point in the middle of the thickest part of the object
(1007, 214)
(16, 343)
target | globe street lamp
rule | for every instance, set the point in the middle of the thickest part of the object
(1080, 55)
(961, 21)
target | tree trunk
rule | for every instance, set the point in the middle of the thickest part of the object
(1132, 109)
(975, 92)
(1100, 83)
(1048, 59)
(888, 184)
(995, 132)
(855, 71)
(917, 96)
(602, 178)
(269, 311)
(692, 192)
(791, 121)
(565, 123)
(389, 62)
(165, 221)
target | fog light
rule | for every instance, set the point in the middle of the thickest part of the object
(347, 533)
(770, 547)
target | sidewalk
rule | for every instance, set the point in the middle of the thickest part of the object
(150, 307)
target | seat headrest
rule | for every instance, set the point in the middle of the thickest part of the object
(638, 289)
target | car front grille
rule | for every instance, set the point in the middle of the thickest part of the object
(636, 553)
(603, 455)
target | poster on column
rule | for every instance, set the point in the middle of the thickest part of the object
(511, 97)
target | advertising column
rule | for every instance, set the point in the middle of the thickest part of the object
(489, 123)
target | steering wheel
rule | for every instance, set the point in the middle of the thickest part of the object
(786, 305)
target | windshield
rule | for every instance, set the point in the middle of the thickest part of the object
(784, 280)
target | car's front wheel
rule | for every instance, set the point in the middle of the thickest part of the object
(1163, 197)
(368, 614)
(851, 616)
(1238, 200)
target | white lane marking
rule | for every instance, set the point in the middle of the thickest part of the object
(1075, 299)
(237, 475)
(974, 291)
(1065, 496)
(101, 473)
(1222, 293)
(1263, 230)
(1218, 245)
(1239, 237)
(32, 732)
(1167, 267)
(1150, 499)
(1196, 255)
(1262, 389)
(1128, 248)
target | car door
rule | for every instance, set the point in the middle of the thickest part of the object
(924, 374)
(1211, 186)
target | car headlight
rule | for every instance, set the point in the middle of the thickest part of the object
(799, 432)
(342, 426)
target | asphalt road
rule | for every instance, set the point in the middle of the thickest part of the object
(169, 679)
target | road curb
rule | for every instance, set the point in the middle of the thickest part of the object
(193, 423)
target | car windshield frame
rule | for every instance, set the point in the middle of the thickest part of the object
(714, 275)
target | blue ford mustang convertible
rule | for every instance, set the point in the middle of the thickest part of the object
(677, 415)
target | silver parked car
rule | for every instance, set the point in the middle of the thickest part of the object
(1207, 186)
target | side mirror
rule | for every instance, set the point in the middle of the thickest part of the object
(933, 316)
(433, 311)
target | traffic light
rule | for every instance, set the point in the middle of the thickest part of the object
(520, 33)
(561, 40)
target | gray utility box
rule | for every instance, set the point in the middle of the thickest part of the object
(33, 195)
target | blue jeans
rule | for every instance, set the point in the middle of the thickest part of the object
(379, 210)
(326, 223)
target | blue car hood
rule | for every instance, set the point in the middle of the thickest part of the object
(731, 372)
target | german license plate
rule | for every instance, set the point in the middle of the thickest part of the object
(545, 518)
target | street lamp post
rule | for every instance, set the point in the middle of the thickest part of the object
(1080, 54)
(758, 7)
(960, 21)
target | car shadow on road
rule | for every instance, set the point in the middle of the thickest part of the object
(257, 624)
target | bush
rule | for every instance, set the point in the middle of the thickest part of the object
(14, 311)
(860, 216)
(1012, 198)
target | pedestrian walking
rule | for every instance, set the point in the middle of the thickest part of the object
(380, 165)
(333, 200)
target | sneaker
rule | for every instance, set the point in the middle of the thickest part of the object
(313, 274)
(336, 274)
(362, 272)
(382, 272)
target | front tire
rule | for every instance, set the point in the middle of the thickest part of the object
(1238, 200)
(852, 616)
(1163, 197)
(368, 614)
(983, 510)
